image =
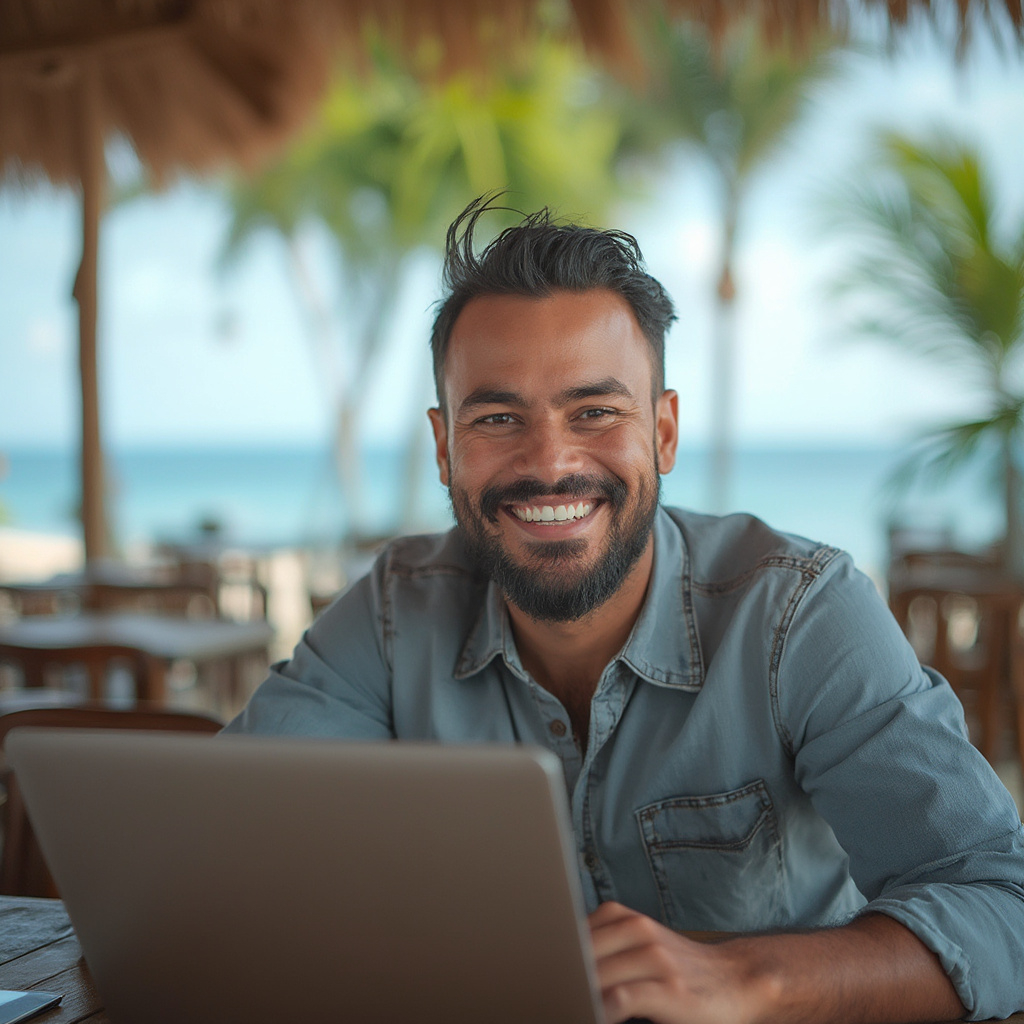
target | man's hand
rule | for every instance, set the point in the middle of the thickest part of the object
(873, 969)
(646, 970)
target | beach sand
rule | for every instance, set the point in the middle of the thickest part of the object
(25, 555)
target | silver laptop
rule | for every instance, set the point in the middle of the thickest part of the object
(235, 878)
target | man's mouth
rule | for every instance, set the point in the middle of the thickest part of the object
(551, 513)
(568, 500)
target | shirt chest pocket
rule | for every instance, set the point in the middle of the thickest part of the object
(717, 860)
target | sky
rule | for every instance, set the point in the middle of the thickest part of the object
(191, 354)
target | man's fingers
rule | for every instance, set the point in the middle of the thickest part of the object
(620, 928)
(645, 970)
(609, 913)
(638, 963)
(632, 999)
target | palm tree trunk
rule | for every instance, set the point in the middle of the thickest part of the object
(346, 398)
(723, 358)
(321, 336)
(349, 465)
(318, 314)
(416, 447)
(1014, 544)
(349, 458)
(95, 526)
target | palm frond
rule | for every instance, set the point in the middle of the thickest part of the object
(922, 226)
(938, 454)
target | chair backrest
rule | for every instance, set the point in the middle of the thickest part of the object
(23, 602)
(23, 869)
(96, 659)
(189, 599)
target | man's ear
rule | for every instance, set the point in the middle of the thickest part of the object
(666, 429)
(440, 428)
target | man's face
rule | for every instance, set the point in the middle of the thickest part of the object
(552, 446)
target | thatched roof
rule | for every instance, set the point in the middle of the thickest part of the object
(191, 83)
(474, 31)
(956, 19)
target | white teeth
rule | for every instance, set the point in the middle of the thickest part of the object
(549, 514)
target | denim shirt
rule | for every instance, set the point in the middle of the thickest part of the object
(765, 752)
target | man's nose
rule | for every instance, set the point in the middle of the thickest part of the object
(548, 451)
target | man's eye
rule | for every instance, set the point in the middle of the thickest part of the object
(496, 419)
(597, 414)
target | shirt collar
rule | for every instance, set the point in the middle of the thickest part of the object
(662, 647)
(490, 636)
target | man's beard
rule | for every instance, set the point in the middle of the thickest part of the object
(550, 584)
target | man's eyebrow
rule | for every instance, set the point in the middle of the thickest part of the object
(597, 389)
(491, 395)
(488, 395)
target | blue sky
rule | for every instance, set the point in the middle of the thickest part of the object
(193, 355)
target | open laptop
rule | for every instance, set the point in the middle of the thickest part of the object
(235, 878)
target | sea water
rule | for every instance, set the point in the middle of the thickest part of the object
(290, 497)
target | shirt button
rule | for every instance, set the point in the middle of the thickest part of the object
(558, 727)
(591, 860)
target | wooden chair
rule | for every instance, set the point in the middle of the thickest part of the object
(960, 610)
(97, 660)
(231, 578)
(189, 599)
(22, 602)
(964, 623)
(23, 869)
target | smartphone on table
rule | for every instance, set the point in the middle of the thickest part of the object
(17, 1006)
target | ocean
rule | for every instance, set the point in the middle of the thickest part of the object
(288, 496)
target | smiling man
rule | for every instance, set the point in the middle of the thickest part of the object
(749, 744)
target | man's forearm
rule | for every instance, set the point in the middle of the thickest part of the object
(872, 970)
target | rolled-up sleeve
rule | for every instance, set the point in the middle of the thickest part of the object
(880, 745)
(337, 682)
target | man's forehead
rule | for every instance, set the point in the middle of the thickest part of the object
(528, 351)
(579, 336)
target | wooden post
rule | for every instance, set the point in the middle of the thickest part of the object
(93, 174)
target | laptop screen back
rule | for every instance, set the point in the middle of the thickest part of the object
(240, 878)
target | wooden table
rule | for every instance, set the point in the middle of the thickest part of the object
(38, 949)
(163, 638)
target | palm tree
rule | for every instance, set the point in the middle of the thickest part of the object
(389, 162)
(942, 275)
(736, 101)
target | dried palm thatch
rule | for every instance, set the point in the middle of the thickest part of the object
(474, 32)
(801, 19)
(191, 84)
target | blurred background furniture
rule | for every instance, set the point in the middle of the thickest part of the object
(23, 869)
(194, 589)
(234, 575)
(37, 662)
(156, 642)
(962, 613)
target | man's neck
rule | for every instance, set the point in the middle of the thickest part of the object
(567, 658)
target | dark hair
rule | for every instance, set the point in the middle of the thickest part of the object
(535, 258)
